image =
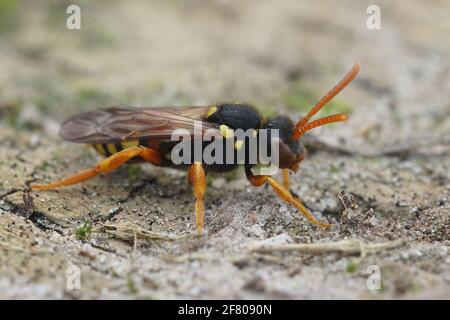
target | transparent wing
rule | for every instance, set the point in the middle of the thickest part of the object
(119, 124)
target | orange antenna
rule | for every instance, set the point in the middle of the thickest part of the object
(323, 121)
(303, 122)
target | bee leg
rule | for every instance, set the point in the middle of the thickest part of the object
(286, 178)
(105, 165)
(286, 182)
(286, 195)
(197, 178)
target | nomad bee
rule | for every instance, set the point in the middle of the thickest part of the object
(145, 134)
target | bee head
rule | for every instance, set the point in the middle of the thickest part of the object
(291, 151)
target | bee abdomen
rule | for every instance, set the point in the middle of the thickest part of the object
(108, 149)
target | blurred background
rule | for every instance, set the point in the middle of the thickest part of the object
(391, 159)
(282, 57)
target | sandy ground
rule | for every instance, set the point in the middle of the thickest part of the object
(393, 155)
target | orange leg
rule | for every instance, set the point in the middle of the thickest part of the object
(286, 178)
(284, 194)
(197, 178)
(104, 166)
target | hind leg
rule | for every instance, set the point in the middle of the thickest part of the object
(286, 178)
(104, 166)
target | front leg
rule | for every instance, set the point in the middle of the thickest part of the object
(197, 178)
(286, 178)
(284, 194)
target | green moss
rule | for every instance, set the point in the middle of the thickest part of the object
(56, 14)
(88, 94)
(84, 231)
(301, 99)
(334, 168)
(98, 38)
(9, 15)
(267, 110)
(351, 267)
(56, 158)
(131, 285)
(134, 172)
(7, 5)
(12, 117)
(383, 287)
(209, 180)
(44, 166)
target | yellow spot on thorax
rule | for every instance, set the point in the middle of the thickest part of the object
(211, 111)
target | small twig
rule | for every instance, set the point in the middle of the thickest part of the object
(344, 246)
(128, 231)
(184, 258)
(134, 244)
(349, 204)
(27, 208)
